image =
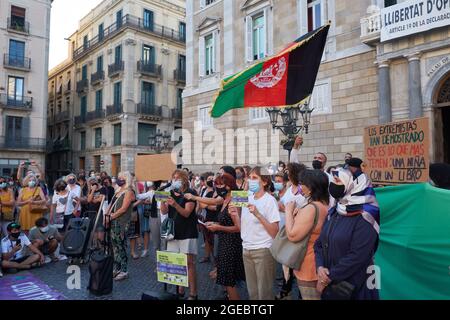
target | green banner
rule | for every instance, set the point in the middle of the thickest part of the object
(414, 250)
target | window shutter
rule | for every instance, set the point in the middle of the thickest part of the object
(25, 134)
(214, 53)
(266, 31)
(303, 16)
(249, 38)
(201, 56)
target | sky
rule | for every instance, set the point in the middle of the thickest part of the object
(65, 16)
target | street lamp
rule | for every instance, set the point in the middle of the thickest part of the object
(289, 118)
(159, 141)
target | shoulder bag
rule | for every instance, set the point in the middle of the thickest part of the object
(37, 208)
(288, 253)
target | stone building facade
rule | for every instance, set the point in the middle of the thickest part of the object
(60, 118)
(24, 48)
(363, 79)
(129, 74)
(345, 98)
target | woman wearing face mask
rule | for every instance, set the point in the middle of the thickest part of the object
(308, 220)
(280, 185)
(7, 204)
(259, 226)
(73, 201)
(118, 217)
(230, 265)
(59, 204)
(241, 180)
(208, 214)
(30, 194)
(182, 211)
(349, 239)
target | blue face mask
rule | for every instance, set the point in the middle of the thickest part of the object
(3, 185)
(253, 186)
(176, 185)
(278, 186)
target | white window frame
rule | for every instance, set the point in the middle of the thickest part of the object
(258, 115)
(214, 32)
(302, 12)
(204, 118)
(249, 29)
(322, 94)
(209, 55)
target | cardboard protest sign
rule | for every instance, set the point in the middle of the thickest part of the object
(154, 167)
(162, 196)
(398, 152)
(239, 198)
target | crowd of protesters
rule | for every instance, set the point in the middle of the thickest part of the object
(332, 210)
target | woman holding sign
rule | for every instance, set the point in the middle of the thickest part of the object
(182, 211)
(230, 265)
(258, 226)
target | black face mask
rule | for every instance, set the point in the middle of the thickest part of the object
(347, 161)
(222, 192)
(210, 183)
(337, 191)
(317, 164)
(15, 235)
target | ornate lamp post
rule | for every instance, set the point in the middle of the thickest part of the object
(289, 118)
(159, 141)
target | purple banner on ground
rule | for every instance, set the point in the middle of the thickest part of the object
(26, 287)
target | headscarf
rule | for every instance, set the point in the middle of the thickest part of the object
(359, 198)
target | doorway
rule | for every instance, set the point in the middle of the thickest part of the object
(446, 133)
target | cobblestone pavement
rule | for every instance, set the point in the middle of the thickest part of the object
(142, 277)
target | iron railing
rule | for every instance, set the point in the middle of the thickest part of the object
(97, 77)
(16, 102)
(114, 109)
(20, 26)
(95, 115)
(8, 142)
(179, 75)
(82, 85)
(115, 68)
(16, 61)
(149, 68)
(149, 110)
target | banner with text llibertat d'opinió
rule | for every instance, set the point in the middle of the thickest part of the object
(398, 152)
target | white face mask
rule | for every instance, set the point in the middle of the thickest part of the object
(44, 229)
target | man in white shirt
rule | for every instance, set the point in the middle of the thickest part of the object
(14, 253)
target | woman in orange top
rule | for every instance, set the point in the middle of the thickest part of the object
(30, 194)
(299, 222)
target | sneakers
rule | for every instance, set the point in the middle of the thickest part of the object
(47, 260)
(121, 276)
(144, 253)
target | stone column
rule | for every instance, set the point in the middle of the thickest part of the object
(384, 92)
(414, 86)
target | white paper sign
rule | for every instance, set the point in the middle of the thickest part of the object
(413, 16)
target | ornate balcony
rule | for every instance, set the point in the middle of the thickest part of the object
(371, 26)
(149, 69)
(115, 68)
(17, 102)
(16, 62)
(82, 86)
(97, 77)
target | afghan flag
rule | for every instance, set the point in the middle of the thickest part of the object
(284, 80)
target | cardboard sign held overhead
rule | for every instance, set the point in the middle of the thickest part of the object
(398, 152)
(154, 167)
